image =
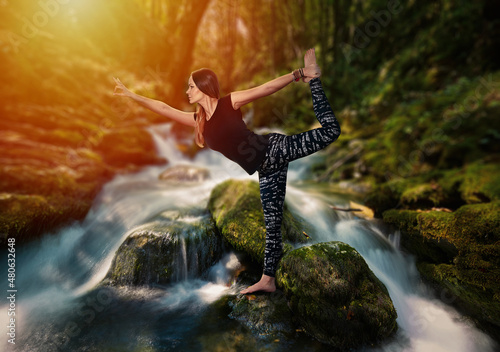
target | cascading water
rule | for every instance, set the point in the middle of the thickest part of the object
(425, 323)
(60, 308)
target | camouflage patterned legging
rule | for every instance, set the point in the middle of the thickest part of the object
(273, 170)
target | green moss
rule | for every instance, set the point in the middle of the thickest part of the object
(461, 288)
(237, 211)
(422, 195)
(458, 251)
(467, 229)
(424, 234)
(480, 183)
(152, 254)
(335, 296)
(26, 216)
(268, 315)
(452, 188)
(382, 198)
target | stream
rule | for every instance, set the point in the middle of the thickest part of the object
(59, 308)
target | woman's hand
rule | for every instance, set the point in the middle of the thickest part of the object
(121, 90)
(156, 106)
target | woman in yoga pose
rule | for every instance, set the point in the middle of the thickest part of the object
(218, 124)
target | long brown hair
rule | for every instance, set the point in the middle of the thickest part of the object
(206, 81)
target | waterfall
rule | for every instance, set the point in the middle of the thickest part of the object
(60, 309)
(425, 322)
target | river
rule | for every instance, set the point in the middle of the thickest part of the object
(59, 309)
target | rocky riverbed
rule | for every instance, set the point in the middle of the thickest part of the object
(327, 289)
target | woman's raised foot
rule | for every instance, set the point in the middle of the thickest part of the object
(311, 68)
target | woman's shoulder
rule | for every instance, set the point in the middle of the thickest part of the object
(226, 98)
(227, 101)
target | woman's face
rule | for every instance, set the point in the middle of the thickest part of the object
(194, 94)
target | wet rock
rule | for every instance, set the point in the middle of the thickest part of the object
(23, 214)
(237, 211)
(432, 244)
(173, 247)
(185, 173)
(45, 186)
(51, 176)
(268, 315)
(474, 183)
(459, 253)
(335, 297)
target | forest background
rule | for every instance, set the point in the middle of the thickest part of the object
(415, 85)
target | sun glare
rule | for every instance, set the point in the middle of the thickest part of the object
(50, 18)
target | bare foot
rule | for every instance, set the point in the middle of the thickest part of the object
(310, 66)
(266, 284)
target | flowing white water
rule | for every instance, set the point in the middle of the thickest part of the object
(59, 309)
(425, 322)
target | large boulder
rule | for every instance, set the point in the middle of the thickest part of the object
(54, 163)
(172, 247)
(335, 297)
(237, 211)
(43, 187)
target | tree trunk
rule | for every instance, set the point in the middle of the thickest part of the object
(184, 32)
(323, 31)
(229, 47)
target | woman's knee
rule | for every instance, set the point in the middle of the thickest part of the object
(331, 134)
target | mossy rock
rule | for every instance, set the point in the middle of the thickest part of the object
(424, 234)
(471, 184)
(453, 287)
(382, 198)
(173, 247)
(267, 315)
(423, 195)
(335, 297)
(25, 217)
(396, 192)
(44, 187)
(419, 192)
(477, 223)
(21, 214)
(459, 252)
(465, 230)
(481, 183)
(237, 210)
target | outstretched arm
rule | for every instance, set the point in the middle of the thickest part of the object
(186, 118)
(243, 97)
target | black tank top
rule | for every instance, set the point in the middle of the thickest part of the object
(227, 133)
